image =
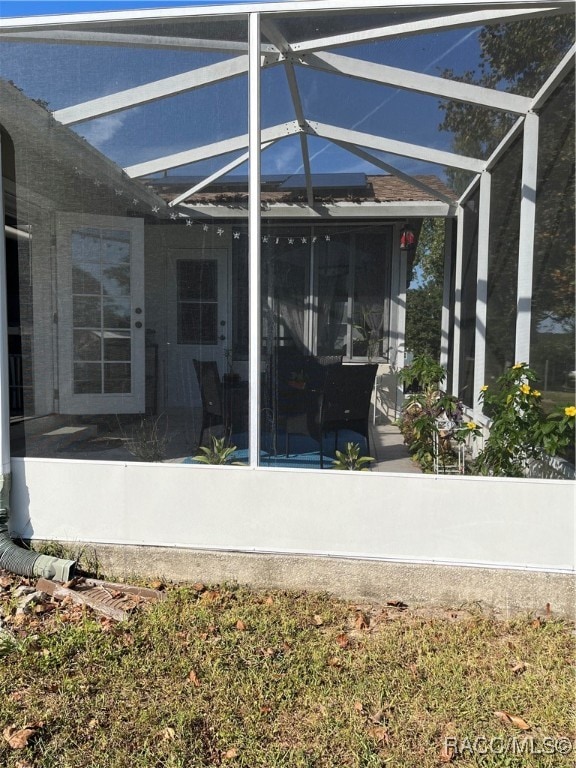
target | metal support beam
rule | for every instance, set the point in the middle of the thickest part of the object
(446, 295)
(274, 35)
(4, 382)
(482, 288)
(526, 243)
(423, 26)
(395, 172)
(563, 69)
(394, 147)
(122, 40)
(208, 150)
(154, 91)
(416, 81)
(254, 194)
(457, 300)
(216, 175)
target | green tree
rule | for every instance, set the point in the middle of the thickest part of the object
(424, 297)
(516, 57)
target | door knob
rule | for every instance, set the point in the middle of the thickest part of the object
(222, 338)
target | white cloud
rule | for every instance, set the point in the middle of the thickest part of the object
(283, 158)
(101, 131)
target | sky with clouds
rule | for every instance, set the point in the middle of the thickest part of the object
(65, 75)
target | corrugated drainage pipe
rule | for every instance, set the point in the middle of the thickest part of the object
(21, 561)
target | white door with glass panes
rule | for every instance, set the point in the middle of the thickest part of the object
(197, 319)
(100, 320)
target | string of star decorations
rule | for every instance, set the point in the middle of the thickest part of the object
(183, 217)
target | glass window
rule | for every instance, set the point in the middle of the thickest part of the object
(325, 305)
(197, 290)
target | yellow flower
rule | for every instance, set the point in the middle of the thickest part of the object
(536, 393)
(525, 389)
(518, 365)
(570, 410)
(471, 424)
(483, 388)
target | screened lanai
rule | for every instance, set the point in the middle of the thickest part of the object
(214, 213)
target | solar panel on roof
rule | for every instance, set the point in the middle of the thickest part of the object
(326, 181)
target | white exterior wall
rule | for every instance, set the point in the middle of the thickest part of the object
(509, 523)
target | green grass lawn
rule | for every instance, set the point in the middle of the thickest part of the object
(228, 676)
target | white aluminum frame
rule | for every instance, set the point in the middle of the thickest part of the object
(313, 53)
(482, 286)
(4, 383)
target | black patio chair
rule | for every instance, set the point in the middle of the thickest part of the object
(213, 413)
(345, 402)
(297, 408)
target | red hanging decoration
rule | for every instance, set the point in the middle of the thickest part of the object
(407, 240)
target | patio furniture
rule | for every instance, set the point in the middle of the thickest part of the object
(345, 402)
(213, 412)
(299, 390)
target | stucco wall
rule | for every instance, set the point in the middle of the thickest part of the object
(421, 518)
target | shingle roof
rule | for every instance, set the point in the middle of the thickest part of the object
(377, 189)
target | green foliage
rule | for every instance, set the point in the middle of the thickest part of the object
(431, 419)
(556, 432)
(8, 644)
(350, 459)
(423, 318)
(430, 251)
(424, 298)
(518, 56)
(520, 431)
(424, 373)
(220, 452)
(421, 426)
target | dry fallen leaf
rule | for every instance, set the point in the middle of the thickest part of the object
(240, 626)
(194, 679)
(379, 733)
(198, 587)
(269, 600)
(334, 661)
(230, 754)
(517, 669)
(343, 640)
(362, 621)
(358, 706)
(168, 734)
(18, 738)
(318, 620)
(515, 720)
(210, 596)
